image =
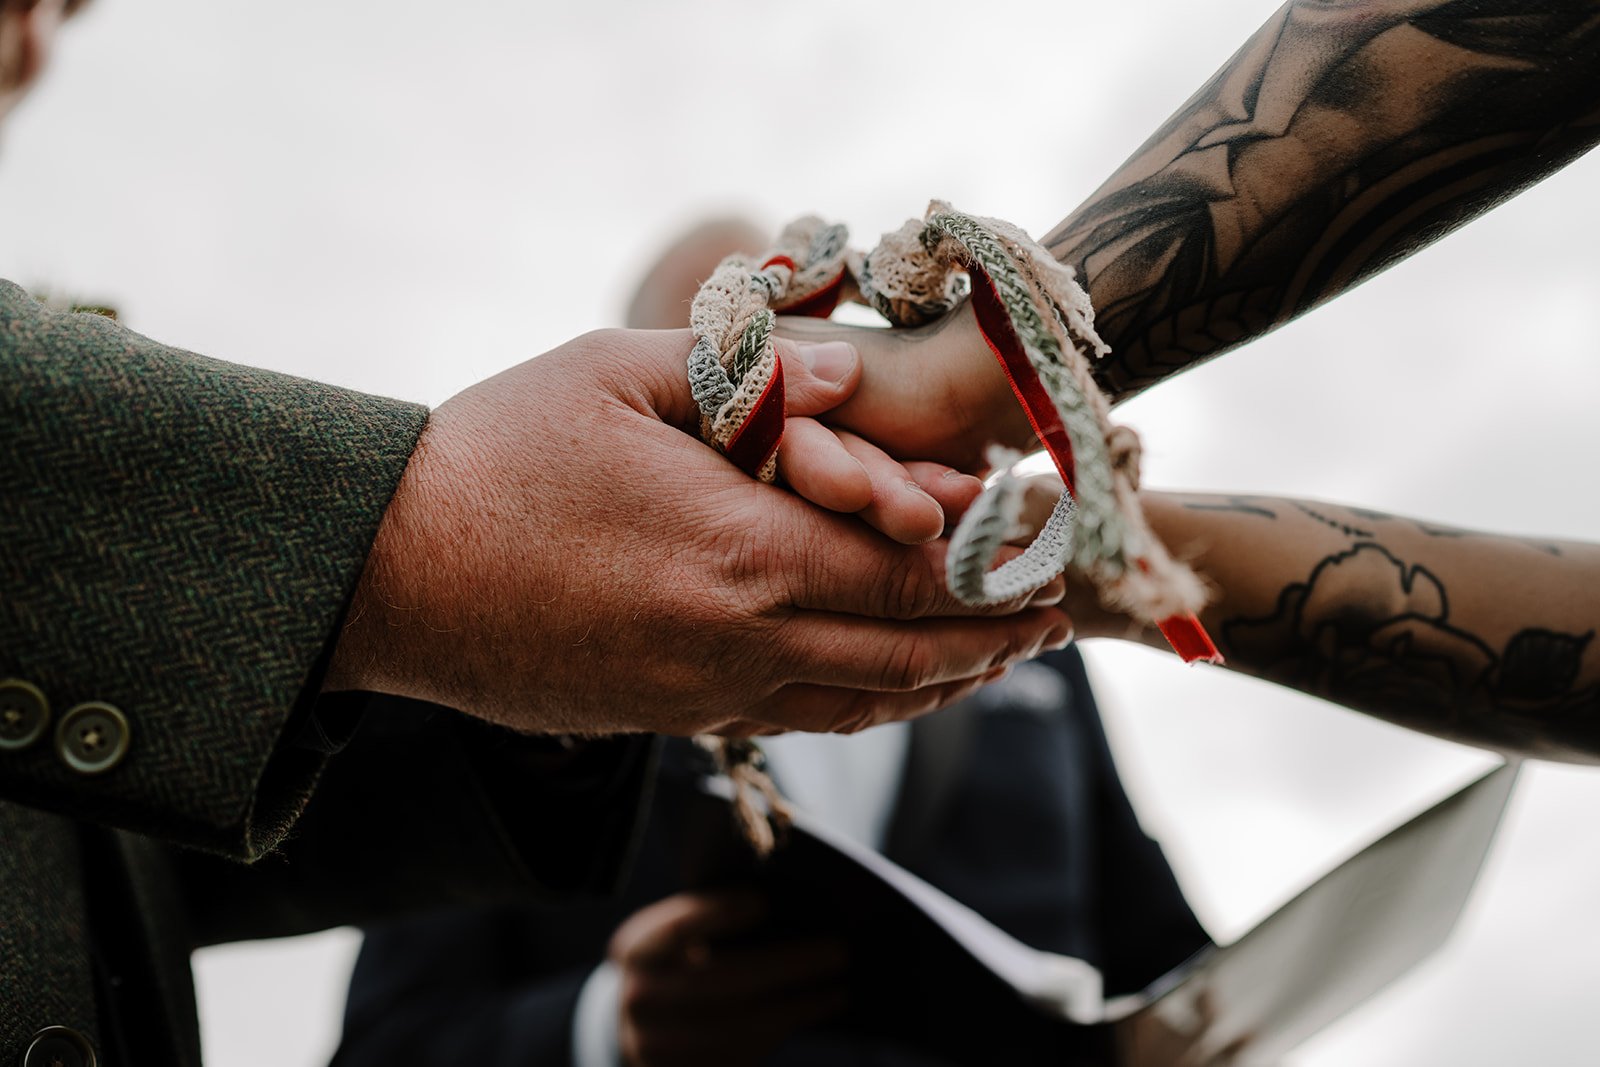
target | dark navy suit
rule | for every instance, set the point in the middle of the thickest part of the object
(1009, 802)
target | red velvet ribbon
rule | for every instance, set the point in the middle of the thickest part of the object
(755, 442)
(1183, 632)
(762, 432)
(820, 304)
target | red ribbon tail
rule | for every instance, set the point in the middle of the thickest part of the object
(1189, 639)
(1184, 632)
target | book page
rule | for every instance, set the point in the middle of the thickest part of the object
(1064, 986)
(1336, 944)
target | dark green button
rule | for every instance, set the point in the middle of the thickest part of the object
(24, 714)
(59, 1046)
(92, 738)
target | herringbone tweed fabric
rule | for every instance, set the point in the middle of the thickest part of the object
(45, 978)
(178, 537)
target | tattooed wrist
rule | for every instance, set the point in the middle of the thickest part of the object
(1473, 636)
(1376, 632)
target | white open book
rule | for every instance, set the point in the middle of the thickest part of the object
(945, 969)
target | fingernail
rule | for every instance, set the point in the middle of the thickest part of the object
(1059, 638)
(933, 532)
(1048, 595)
(832, 361)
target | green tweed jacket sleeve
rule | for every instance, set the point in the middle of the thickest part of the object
(178, 538)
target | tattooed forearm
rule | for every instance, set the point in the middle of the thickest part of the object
(1476, 637)
(1345, 135)
(1433, 529)
(1373, 631)
(1243, 505)
(1332, 523)
(1268, 507)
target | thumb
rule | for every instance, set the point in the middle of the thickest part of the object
(650, 373)
(817, 377)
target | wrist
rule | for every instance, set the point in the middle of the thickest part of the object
(1093, 619)
(987, 407)
(372, 648)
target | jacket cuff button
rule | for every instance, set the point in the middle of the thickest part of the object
(24, 714)
(92, 738)
(59, 1046)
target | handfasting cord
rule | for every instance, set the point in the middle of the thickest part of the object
(1039, 323)
(734, 371)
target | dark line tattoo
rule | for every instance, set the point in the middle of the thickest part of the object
(1343, 527)
(1370, 631)
(1242, 505)
(1341, 138)
(1436, 530)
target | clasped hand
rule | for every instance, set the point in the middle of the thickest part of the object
(562, 555)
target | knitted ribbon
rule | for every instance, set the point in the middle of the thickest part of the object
(1039, 323)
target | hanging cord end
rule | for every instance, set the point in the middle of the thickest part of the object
(761, 813)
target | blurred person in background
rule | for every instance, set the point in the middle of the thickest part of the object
(1337, 141)
(207, 566)
(1010, 801)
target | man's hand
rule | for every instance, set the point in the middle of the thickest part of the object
(689, 998)
(562, 556)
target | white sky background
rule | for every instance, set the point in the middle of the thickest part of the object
(407, 197)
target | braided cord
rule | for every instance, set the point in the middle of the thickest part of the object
(737, 383)
(734, 373)
(1098, 536)
(915, 275)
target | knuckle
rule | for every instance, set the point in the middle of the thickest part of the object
(753, 666)
(755, 555)
(856, 714)
(873, 711)
(1015, 646)
(706, 605)
(914, 590)
(595, 343)
(609, 338)
(909, 664)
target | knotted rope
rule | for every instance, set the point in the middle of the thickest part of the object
(746, 767)
(1039, 323)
